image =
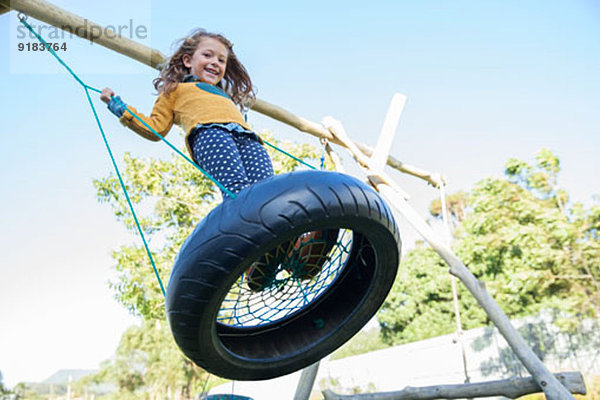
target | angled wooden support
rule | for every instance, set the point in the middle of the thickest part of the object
(511, 388)
(397, 199)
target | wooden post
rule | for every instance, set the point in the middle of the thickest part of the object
(56, 16)
(306, 382)
(511, 388)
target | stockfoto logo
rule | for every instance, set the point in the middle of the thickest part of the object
(87, 29)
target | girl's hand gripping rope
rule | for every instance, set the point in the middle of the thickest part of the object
(106, 95)
(115, 104)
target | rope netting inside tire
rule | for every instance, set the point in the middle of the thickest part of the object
(286, 279)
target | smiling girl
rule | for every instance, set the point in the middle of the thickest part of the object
(203, 88)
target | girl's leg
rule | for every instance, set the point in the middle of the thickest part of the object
(256, 160)
(217, 153)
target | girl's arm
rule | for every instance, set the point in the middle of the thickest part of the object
(160, 120)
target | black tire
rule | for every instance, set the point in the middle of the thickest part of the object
(241, 230)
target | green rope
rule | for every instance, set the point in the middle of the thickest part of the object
(22, 19)
(87, 88)
(289, 155)
(137, 223)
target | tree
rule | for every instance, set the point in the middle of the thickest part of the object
(171, 197)
(25, 392)
(147, 364)
(521, 235)
(456, 204)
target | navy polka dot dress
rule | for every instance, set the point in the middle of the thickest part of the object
(235, 159)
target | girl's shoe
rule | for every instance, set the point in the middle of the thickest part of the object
(312, 252)
(262, 273)
(304, 260)
(255, 277)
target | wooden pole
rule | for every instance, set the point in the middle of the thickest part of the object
(56, 16)
(306, 382)
(511, 388)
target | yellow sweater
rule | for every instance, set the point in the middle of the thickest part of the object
(187, 106)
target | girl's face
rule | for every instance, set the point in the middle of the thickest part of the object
(209, 61)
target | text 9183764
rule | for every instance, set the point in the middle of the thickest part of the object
(35, 46)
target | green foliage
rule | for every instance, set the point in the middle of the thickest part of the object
(170, 198)
(522, 237)
(24, 391)
(420, 303)
(148, 364)
(456, 204)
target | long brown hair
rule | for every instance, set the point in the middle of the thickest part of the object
(236, 82)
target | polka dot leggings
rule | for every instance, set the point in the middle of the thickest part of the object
(235, 159)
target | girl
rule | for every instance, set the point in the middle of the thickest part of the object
(203, 88)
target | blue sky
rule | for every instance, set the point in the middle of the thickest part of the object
(485, 80)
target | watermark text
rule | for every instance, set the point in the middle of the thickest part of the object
(87, 30)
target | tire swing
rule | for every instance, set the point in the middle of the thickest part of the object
(246, 302)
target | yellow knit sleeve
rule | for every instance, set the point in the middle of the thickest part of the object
(161, 119)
